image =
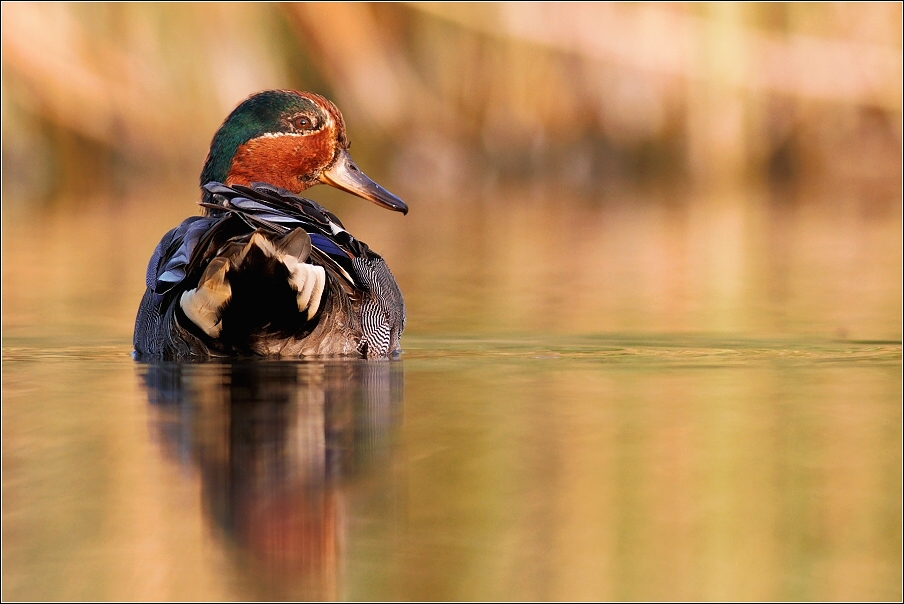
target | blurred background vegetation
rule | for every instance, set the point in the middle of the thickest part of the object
(447, 98)
(570, 168)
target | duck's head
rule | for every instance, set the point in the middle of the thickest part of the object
(293, 140)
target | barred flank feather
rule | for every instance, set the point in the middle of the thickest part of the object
(383, 312)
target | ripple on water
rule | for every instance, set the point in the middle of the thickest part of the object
(667, 350)
(671, 351)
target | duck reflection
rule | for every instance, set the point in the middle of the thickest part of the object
(274, 441)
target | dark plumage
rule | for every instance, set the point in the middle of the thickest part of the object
(266, 272)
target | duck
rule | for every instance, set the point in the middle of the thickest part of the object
(262, 271)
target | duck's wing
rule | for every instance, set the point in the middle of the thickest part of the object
(362, 272)
(167, 270)
(275, 210)
(170, 261)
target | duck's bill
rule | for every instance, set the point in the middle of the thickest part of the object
(347, 176)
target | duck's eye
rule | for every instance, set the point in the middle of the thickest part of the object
(302, 123)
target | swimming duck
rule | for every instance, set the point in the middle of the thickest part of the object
(264, 272)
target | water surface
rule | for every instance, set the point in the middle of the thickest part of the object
(642, 400)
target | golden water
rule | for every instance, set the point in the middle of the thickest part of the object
(635, 398)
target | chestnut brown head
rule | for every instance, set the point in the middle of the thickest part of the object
(293, 140)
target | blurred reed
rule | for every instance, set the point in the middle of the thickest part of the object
(442, 96)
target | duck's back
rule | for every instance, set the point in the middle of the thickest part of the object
(266, 273)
